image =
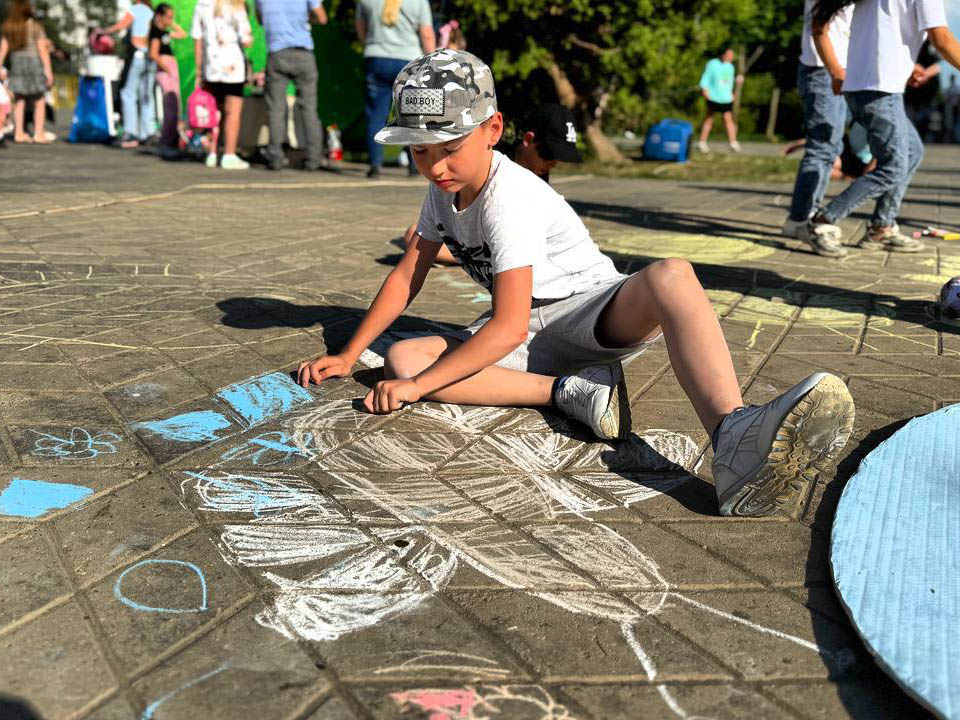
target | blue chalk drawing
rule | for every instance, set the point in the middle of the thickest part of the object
(894, 557)
(152, 707)
(32, 498)
(81, 445)
(195, 426)
(118, 590)
(261, 398)
(271, 448)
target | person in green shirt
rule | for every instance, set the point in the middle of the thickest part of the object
(716, 84)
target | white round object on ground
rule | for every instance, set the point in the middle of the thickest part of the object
(950, 297)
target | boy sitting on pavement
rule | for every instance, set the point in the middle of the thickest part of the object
(563, 318)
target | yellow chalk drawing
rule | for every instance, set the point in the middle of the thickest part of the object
(949, 267)
(708, 249)
(778, 307)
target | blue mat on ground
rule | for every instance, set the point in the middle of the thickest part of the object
(895, 560)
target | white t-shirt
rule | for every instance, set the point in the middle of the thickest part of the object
(885, 37)
(223, 59)
(839, 32)
(517, 220)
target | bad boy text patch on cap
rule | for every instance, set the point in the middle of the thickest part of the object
(421, 101)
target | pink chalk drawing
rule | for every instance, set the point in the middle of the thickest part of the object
(441, 704)
(483, 702)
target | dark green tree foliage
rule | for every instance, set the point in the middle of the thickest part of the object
(617, 63)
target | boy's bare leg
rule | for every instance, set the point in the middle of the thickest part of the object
(494, 385)
(667, 294)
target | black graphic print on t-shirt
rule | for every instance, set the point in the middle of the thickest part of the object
(475, 260)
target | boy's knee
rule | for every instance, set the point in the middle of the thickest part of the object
(670, 271)
(405, 358)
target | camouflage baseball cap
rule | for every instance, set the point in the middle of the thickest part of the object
(439, 97)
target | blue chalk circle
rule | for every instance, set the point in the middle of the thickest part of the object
(195, 426)
(261, 398)
(33, 498)
(152, 707)
(118, 587)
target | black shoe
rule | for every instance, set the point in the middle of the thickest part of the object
(374, 172)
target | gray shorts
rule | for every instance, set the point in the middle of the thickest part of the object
(562, 336)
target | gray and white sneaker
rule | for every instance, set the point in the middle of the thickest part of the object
(823, 238)
(768, 454)
(597, 397)
(890, 239)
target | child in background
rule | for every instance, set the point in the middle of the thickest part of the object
(221, 30)
(31, 74)
(163, 29)
(137, 98)
(885, 37)
(563, 318)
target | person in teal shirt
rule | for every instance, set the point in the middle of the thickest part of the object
(716, 84)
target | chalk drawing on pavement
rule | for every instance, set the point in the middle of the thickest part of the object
(34, 498)
(151, 562)
(80, 445)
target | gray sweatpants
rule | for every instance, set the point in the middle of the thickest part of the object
(297, 65)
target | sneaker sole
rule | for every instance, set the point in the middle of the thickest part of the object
(811, 436)
(616, 422)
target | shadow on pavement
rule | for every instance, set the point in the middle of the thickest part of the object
(13, 708)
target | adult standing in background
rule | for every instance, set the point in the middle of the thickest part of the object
(393, 33)
(136, 96)
(221, 29)
(716, 84)
(31, 74)
(290, 58)
(824, 121)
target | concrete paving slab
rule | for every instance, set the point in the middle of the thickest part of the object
(525, 566)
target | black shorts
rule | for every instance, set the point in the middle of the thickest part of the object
(716, 107)
(221, 90)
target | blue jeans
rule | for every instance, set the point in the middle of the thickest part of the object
(824, 117)
(379, 74)
(137, 97)
(898, 149)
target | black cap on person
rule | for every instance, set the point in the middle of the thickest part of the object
(553, 130)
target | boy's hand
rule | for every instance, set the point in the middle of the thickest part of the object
(322, 368)
(389, 395)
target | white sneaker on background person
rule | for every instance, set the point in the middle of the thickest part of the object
(232, 162)
(211, 161)
(703, 147)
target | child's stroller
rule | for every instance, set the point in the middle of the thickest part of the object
(200, 139)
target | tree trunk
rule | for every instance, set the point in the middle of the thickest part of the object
(774, 110)
(604, 150)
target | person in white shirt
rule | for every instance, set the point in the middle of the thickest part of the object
(824, 119)
(885, 38)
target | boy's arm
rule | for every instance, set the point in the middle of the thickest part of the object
(154, 52)
(177, 32)
(397, 292)
(946, 44)
(821, 38)
(503, 333)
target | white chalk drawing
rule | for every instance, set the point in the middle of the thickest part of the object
(452, 663)
(333, 577)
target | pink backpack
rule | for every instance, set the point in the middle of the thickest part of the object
(202, 113)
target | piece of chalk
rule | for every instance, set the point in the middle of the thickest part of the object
(952, 236)
(917, 234)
